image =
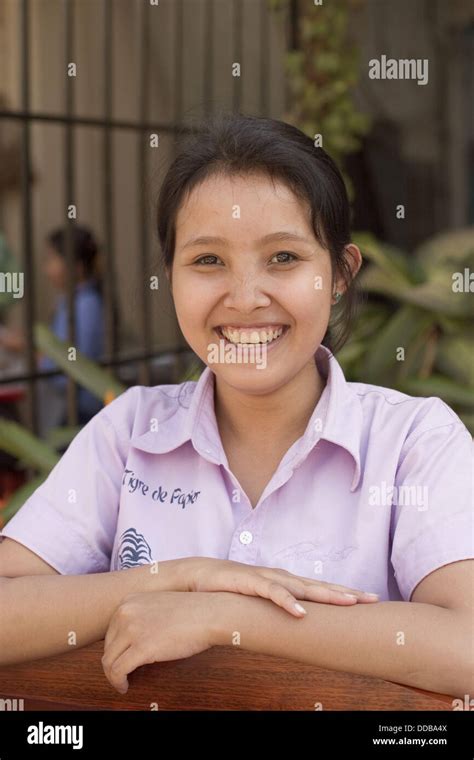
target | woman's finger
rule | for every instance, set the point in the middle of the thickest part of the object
(362, 595)
(281, 576)
(118, 670)
(288, 596)
(113, 650)
(279, 594)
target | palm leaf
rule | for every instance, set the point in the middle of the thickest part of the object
(20, 443)
(83, 370)
(404, 327)
(437, 385)
(18, 498)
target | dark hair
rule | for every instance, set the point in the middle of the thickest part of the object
(237, 144)
(85, 246)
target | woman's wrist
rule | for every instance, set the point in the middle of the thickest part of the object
(170, 575)
(222, 612)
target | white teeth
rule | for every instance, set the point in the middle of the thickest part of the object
(253, 336)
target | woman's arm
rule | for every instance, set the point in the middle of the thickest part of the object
(41, 614)
(414, 643)
(44, 615)
(426, 643)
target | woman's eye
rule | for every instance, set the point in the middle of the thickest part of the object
(205, 259)
(285, 260)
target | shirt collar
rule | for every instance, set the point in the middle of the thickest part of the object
(190, 416)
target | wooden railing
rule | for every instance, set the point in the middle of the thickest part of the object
(222, 678)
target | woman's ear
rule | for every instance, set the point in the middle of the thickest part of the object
(353, 258)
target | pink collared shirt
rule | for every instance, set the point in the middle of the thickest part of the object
(375, 495)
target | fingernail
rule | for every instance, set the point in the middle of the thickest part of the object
(299, 608)
(369, 593)
(351, 596)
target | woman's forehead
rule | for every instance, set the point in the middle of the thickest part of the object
(255, 199)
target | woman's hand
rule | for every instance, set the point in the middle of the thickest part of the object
(156, 626)
(206, 574)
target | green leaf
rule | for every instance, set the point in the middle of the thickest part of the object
(434, 296)
(468, 420)
(449, 250)
(83, 370)
(18, 498)
(402, 329)
(455, 358)
(389, 260)
(437, 296)
(62, 436)
(20, 443)
(437, 385)
(375, 280)
(350, 353)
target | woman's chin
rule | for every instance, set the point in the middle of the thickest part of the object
(252, 378)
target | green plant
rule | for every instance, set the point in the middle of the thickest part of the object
(83, 370)
(30, 450)
(415, 331)
(321, 75)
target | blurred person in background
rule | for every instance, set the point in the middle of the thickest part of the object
(89, 316)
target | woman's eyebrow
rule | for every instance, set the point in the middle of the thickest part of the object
(281, 237)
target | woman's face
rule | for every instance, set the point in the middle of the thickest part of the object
(265, 270)
(55, 268)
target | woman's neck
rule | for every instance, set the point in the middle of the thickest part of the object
(261, 420)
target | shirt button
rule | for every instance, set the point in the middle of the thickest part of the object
(246, 537)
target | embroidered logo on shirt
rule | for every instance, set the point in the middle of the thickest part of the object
(310, 551)
(132, 550)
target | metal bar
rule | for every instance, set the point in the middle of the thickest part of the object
(208, 69)
(178, 68)
(69, 120)
(108, 198)
(103, 363)
(238, 20)
(91, 121)
(143, 148)
(30, 306)
(70, 199)
(293, 27)
(264, 58)
(178, 89)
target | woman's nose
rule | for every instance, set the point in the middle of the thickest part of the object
(246, 293)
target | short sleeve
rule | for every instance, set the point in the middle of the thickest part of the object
(433, 512)
(70, 520)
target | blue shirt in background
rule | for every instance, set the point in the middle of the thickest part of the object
(89, 313)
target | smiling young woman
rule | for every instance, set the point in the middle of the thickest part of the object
(288, 464)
